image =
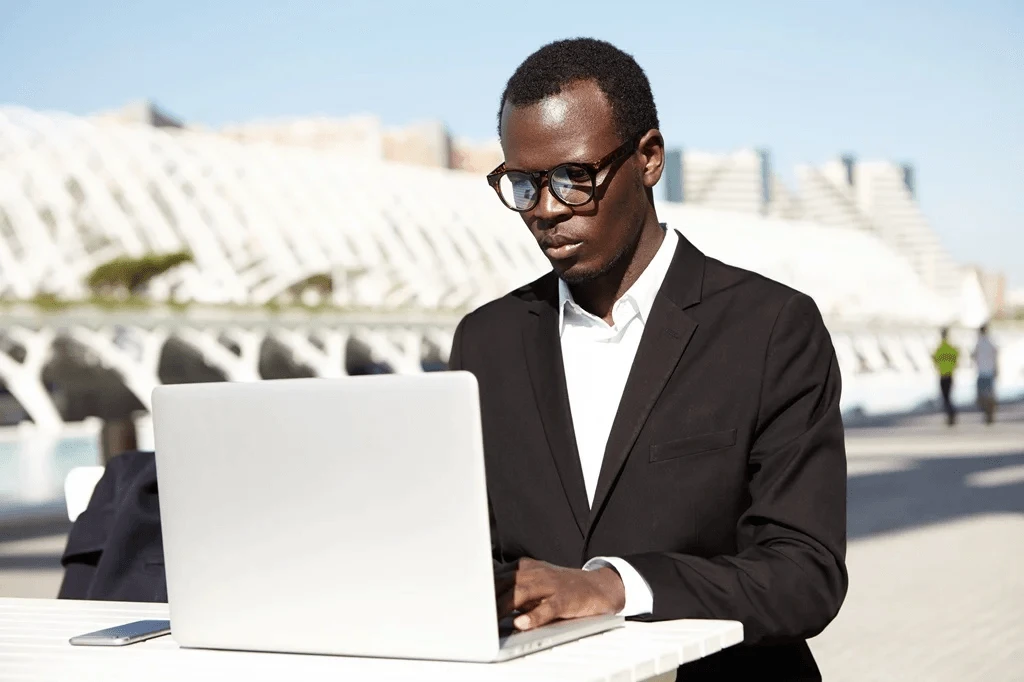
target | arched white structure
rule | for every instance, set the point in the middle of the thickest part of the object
(259, 218)
(397, 240)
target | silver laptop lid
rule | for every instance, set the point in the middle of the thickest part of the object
(339, 516)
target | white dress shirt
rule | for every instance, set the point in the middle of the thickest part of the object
(985, 357)
(597, 359)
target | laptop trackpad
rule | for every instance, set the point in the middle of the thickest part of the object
(553, 633)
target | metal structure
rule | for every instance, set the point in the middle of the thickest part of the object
(407, 250)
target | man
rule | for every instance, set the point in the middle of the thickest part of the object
(985, 358)
(664, 422)
(945, 359)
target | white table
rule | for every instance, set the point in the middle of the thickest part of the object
(34, 646)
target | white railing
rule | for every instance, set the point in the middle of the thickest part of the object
(885, 370)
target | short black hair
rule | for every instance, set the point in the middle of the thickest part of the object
(552, 67)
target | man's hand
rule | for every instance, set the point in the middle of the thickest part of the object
(542, 592)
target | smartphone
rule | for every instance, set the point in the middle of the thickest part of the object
(121, 635)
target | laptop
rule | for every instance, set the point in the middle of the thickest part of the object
(334, 516)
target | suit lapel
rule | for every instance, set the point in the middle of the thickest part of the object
(666, 335)
(547, 374)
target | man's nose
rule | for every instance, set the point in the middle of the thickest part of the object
(549, 209)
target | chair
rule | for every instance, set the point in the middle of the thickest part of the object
(78, 487)
(114, 550)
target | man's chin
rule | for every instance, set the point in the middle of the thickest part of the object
(574, 273)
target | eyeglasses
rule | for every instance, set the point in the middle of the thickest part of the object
(572, 183)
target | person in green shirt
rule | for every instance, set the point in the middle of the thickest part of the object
(945, 358)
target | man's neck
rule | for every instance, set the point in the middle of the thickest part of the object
(599, 295)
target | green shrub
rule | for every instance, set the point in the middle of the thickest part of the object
(127, 276)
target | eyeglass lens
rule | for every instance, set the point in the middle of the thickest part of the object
(569, 183)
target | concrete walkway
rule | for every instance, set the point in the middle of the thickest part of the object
(936, 552)
(30, 558)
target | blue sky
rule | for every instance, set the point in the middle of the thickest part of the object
(938, 84)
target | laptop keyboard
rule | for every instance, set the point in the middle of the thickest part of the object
(506, 628)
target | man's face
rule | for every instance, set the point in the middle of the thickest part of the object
(581, 242)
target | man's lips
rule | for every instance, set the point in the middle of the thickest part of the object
(559, 247)
(562, 252)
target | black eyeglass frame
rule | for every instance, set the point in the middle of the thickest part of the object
(592, 169)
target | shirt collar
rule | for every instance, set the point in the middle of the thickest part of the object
(645, 288)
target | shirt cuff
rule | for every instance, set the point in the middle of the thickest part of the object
(639, 598)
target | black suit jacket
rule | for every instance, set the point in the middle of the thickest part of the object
(115, 548)
(724, 476)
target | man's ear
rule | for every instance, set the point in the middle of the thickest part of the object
(652, 154)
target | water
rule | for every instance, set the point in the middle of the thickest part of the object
(25, 481)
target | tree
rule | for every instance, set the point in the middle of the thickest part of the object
(129, 276)
(320, 284)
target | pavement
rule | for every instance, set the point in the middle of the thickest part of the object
(30, 557)
(936, 552)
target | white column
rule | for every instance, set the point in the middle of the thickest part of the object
(442, 338)
(24, 380)
(401, 349)
(137, 366)
(244, 367)
(327, 363)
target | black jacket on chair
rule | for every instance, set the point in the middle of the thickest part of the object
(114, 550)
(724, 477)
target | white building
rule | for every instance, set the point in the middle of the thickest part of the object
(874, 197)
(260, 214)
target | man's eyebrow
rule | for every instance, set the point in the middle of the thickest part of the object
(572, 158)
(529, 169)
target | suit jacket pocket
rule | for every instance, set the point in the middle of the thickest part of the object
(153, 561)
(692, 445)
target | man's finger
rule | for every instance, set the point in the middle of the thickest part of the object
(539, 616)
(527, 589)
(527, 562)
(504, 582)
(513, 598)
(507, 605)
(530, 587)
(505, 574)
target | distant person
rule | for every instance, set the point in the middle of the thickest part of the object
(946, 356)
(985, 357)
